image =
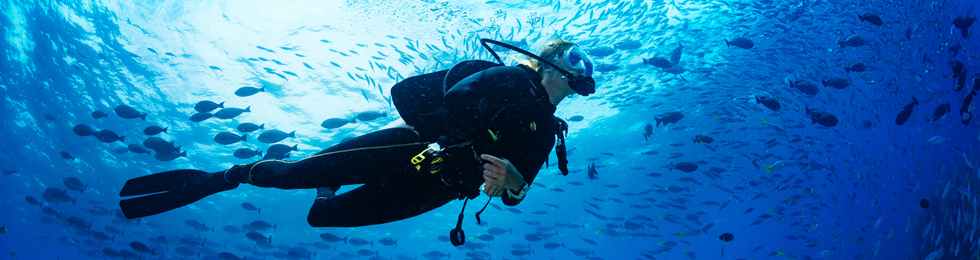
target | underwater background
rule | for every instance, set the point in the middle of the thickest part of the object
(835, 172)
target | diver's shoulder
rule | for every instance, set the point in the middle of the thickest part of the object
(507, 70)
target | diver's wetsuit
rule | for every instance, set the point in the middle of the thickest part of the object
(509, 101)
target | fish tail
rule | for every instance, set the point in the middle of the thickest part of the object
(841, 43)
(143, 116)
(727, 44)
(222, 105)
(248, 109)
(915, 101)
(245, 138)
(861, 17)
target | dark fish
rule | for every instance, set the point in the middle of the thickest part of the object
(684, 167)
(371, 115)
(49, 117)
(99, 114)
(333, 238)
(140, 247)
(669, 117)
(56, 196)
(740, 42)
(769, 102)
(871, 18)
(805, 86)
(838, 83)
(75, 184)
(33, 201)
(248, 91)
(819, 116)
(856, 66)
(955, 50)
(227, 138)
(108, 136)
(906, 112)
(249, 127)
(231, 112)
(601, 51)
(336, 122)
(274, 135)
(158, 144)
(924, 203)
(940, 111)
(727, 237)
(658, 62)
(852, 40)
(593, 174)
(628, 45)
(170, 156)
(647, 132)
(154, 130)
(207, 106)
(675, 56)
(281, 149)
(83, 130)
(120, 150)
(258, 224)
(275, 156)
(963, 23)
(249, 206)
(245, 153)
(9, 172)
(67, 156)
(129, 112)
(965, 114)
(256, 236)
(576, 118)
(200, 116)
(959, 73)
(703, 139)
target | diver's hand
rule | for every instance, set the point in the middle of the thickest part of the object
(501, 172)
(492, 190)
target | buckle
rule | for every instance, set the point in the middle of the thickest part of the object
(422, 155)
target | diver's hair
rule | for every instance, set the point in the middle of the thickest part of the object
(549, 51)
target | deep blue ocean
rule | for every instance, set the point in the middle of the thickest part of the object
(834, 172)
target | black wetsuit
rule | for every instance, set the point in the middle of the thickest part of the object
(508, 101)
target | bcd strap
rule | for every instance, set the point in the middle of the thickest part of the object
(560, 151)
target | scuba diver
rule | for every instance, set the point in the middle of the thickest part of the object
(479, 126)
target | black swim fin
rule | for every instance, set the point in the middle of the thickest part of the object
(169, 190)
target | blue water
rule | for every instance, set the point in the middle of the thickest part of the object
(850, 191)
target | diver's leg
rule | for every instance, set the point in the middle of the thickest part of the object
(369, 158)
(376, 203)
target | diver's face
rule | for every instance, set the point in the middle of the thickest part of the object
(554, 81)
